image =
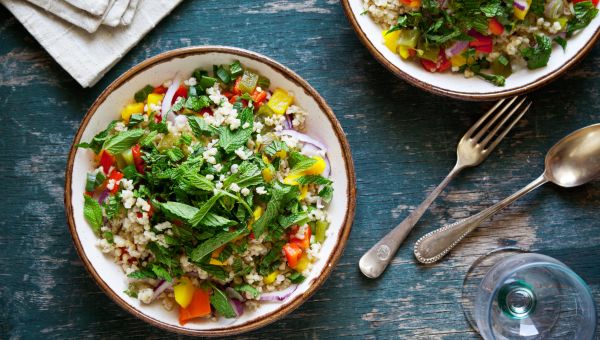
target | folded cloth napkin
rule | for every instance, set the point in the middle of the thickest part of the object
(128, 15)
(94, 7)
(87, 57)
(73, 15)
(113, 17)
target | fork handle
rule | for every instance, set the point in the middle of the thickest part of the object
(436, 244)
(374, 261)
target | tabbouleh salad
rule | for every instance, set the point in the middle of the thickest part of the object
(490, 39)
(208, 194)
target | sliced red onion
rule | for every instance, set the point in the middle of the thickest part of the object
(160, 288)
(103, 196)
(310, 150)
(327, 171)
(166, 103)
(288, 122)
(456, 48)
(554, 9)
(520, 4)
(234, 294)
(279, 296)
(237, 306)
(303, 138)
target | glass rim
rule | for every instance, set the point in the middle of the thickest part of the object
(562, 267)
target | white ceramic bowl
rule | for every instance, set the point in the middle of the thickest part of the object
(456, 85)
(321, 124)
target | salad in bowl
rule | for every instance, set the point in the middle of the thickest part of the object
(212, 197)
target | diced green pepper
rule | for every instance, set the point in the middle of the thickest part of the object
(321, 229)
(141, 95)
(501, 66)
(408, 38)
(265, 110)
(431, 54)
(236, 69)
(93, 180)
(206, 82)
(199, 73)
(127, 156)
(248, 82)
(264, 82)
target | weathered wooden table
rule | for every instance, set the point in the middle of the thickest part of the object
(403, 142)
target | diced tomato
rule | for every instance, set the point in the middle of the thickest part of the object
(228, 94)
(200, 306)
(234, 99)
(116, 176)
(445, 64)
(292, 254)
(136, 151)
(259, 97)
(157, 118)
(251, 236)
(236, 86)
(181, 92)
(106, 161)
(495, 26)
(151, 211)
(89, 193)
(303, 243)
(429, 65)
(482, 43)
(206, 110)
(160, 90)
(412, 52)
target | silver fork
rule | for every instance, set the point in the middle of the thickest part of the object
(473, 148)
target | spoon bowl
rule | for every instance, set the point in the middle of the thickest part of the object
(575, 159)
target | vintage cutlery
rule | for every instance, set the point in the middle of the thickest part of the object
(573, 161)
(473, 148)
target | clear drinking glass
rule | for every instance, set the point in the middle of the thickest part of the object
(512, 294)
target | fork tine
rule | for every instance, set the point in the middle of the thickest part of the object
(497, 128)
(494, 119)
(482, 119)
(503, 134)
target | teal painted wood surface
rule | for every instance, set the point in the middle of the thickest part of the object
(403, 142)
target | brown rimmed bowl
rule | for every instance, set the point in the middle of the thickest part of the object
(321, 124)
(456, 85)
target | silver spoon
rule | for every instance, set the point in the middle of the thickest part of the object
(573, 161)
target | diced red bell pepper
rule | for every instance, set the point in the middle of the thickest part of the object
(292, 254)
(151, 211)
(181, 92)
(198, 307)
(136, 152)
(160, 90)
(495, 27)
(482, 43)
(106, 161)
(251, 236)
(429, 65)
(116, 176)
(206, 110)
(228, 94)
(303, 243)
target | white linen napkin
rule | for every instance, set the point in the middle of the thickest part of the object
(128, 15)
(113, 17)
(70, 13)
(87, 57)
(94, 7)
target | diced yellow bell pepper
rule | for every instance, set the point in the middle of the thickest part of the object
(521, 13)
(267, 174)
(303, 192)
(281, 154)
(563, 22)
(317, 168)
(257, 213)
(404, 52)
(184, 291)
(291, 179)
(302, 264)
(216, 262)
(154, 99)
(458, 60)
(280, 100)
(271, 277)
(266, 159)
(130, 109)
(391, 40)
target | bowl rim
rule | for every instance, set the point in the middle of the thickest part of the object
(346, 155)
(531, 86)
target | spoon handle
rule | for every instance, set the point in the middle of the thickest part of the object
(436, 244)
(375, 260)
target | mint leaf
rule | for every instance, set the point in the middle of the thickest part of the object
(142, 94)
(204, 209)
(248, 174)
(233, 140)
(96, 143)
(213, 243)
(179, 210)
(161, 273)
(275, 147)
(299, 218)
(221, 303)
(246, 288)
(200, 127)
(123, 141)
(326, 193)
(584, 13)
(92, 213)
(280, 195)
(214, 220)
(141, 274)
(313, 179)
(303, 165)
(538, 55)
